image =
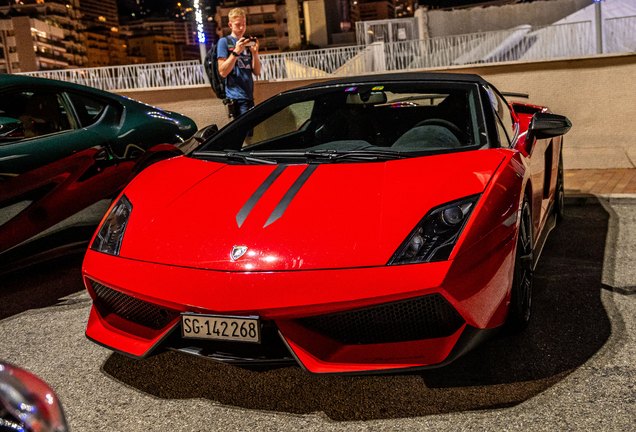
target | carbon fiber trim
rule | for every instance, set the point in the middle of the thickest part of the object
(132, 309)
(427, 317)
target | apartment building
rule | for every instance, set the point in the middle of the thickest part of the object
(265, 20)
(362, 10)
(109, 48)
(60, 14)
(28, 44)
(155, 48)
(182, 32)
(99, 13)
(285, 24)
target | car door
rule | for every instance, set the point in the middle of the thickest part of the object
(51, 169)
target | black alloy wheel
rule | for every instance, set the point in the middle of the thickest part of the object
(520, 308)
(559, 195)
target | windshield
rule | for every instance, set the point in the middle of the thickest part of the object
(357, 123)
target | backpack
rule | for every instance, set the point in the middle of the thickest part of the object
(211, 66)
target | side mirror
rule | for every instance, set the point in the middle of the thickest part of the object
(198, 138)
(545, 125)
(205, 133)
(27, 403)
(11, 128)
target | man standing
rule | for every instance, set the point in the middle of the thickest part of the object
(238, 60)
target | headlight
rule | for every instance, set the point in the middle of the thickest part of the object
(435, 236)
(111, 233)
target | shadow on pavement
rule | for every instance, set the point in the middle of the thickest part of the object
(568, 327)
(40, 285)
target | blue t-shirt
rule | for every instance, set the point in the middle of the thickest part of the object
(239, 83)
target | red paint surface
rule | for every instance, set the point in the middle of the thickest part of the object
(328, 251)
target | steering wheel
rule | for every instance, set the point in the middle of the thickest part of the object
(444, 123)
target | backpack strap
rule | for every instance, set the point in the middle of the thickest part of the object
(230, 41)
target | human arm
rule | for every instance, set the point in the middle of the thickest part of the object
(256, 61)
(226, 60)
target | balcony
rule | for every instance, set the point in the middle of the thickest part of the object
(50, 42)
(51, 56)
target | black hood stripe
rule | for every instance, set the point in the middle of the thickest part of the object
(249, 205)
(290, 194)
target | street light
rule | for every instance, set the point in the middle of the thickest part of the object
(198, 16)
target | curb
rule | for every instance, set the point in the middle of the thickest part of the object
(618, 198)
(574, 197)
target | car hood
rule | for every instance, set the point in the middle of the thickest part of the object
(194, 213)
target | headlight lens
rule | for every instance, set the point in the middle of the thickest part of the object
(435, 236)
(111, 233)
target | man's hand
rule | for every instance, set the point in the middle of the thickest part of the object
(254, 49)
(241, 45)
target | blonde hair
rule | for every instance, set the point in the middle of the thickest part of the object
(235, 13)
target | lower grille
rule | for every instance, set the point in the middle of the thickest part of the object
(425, 317)
(132, 309)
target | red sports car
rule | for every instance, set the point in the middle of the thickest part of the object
(359, 225)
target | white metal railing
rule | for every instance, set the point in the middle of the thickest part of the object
(344, 61)
(306, 64)
(388, 30)
(521, 43)
(132, 77)
(620, 35)
(563, 40)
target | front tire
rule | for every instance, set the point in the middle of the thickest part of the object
(520, 309)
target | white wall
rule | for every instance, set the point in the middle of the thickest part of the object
(474, 20)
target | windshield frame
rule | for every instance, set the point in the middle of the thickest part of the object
(226, 139)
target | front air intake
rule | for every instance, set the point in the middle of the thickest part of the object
(109, 301)
(426, 317)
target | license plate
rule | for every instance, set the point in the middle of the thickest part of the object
(219, 327)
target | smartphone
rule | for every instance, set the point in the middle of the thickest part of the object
(250, 43)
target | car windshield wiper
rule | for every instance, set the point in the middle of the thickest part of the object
(232, 155)
(334, 155)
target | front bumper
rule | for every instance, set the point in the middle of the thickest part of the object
(331, 321)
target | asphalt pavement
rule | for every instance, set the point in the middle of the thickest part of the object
(574, 368)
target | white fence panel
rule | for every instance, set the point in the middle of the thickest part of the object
(521, 43)
(564, 40)
(131, 77)
(620, 34)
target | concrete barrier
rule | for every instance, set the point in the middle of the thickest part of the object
(596, 92)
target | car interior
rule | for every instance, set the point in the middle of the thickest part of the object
(40, 112)
(369, 121)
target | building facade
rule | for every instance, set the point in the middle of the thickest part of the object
(267, 22)
(63, 15)
(99, 13)
(107, 47)
(155, 48)
(28, 44)
(182, 32)
(362, 10)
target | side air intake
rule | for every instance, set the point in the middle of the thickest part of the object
(132, 309)
(426, 317)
